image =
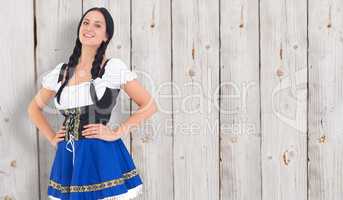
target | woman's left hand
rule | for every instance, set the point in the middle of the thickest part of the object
(100, 131)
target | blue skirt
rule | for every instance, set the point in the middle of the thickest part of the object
(93, 169)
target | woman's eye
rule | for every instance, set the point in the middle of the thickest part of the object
(85, 22)
(98, 26)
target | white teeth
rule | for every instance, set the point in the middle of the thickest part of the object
(88, 35)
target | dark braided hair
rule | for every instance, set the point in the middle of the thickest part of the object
(74, 58)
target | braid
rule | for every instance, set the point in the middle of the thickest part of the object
(75, 56)
(73, 61)
(98, 59)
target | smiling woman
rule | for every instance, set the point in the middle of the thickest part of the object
(91, 160)
(93, 29)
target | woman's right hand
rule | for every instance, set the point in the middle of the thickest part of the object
(59, 136)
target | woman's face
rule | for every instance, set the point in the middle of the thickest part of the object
(93, 29)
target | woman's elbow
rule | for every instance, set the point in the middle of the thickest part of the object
(152, 107)
(29, 108)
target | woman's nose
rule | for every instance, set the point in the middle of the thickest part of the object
(88, 28)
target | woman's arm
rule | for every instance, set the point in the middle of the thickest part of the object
(35, 112)
(147, 105)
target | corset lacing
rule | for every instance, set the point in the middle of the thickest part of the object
(73, 114)
(72, 127)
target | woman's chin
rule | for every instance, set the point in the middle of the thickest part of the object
(90, 43)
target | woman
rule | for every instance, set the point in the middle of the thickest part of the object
(91, 160)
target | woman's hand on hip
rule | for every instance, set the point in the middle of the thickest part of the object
(59, 136)
(100, 131)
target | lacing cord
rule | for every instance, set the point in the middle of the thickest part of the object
(72, 142)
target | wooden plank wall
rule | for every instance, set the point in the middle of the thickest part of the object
(240, 131)
(325, 70)
(283, 70)
(18, 142)
(249, 92)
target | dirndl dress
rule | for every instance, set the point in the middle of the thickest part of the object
(90, 168)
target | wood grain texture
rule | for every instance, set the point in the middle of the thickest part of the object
(18, 144)
(283, 99)
(325, 100)
(151, 58)
(239, 101)
(195, 48)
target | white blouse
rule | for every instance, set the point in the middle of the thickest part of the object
(116, 74)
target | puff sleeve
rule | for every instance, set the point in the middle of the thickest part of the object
(49, 80)
(117, 73)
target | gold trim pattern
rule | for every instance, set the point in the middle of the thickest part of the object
(72, 122)
(93, 187)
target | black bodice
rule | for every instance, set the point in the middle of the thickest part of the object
(98, 112)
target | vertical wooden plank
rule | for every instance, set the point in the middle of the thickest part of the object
(240, 105)
(195, 32)
(18, 144)
(325, 100)
(119, 47)
(87, 4)
(56, 35)
(283, 99)
(151, 58)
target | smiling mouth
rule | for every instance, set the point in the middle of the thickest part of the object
(88, 35)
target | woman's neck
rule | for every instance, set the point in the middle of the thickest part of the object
(87, 56)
